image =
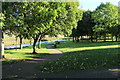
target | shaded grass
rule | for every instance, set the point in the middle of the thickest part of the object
(24, 54)
(83, 56)
(70, 46)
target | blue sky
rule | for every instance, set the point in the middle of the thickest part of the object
(92, 4)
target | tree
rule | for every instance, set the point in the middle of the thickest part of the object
(67, 20)
(37, 19)
(105, 16)
(2, 19)
(52, 18)
(84, 27)
(14, 19)
(74, 33)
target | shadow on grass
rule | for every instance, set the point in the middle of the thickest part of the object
(84, 60)
(101, 57)
(104, 50)
(8, 52)
(87, 44)
(38, 55)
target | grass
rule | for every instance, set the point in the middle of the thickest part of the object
(84, 56)
(70, 46)
(23, 54)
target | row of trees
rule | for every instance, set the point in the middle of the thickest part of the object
(101, 22)
(33, 20)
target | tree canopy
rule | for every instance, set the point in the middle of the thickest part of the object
(99, 23)
(106, 17)
(36, 19)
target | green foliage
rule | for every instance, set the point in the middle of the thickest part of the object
(67, 19)
(105, 16)
(99, 23)
(36, 19)
(84, 26)
(2, 19)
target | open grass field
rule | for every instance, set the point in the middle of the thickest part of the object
(84, 56)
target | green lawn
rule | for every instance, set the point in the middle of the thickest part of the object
(83, 56)
(23, 54)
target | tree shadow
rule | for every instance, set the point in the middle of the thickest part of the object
(81, 45)
(38, 55)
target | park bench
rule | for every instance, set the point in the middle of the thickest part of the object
(55, 44)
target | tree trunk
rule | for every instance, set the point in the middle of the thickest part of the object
(96, 38)
(116, 38)
(105, 37)
(30, 42)
(34, 46)
(39, 44)
(91, 38)
(16, 43)
(1, 44)
(73, 39)
(112, 37)
(77, 39)
(20, 42)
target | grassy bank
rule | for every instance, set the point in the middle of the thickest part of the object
(83, 56)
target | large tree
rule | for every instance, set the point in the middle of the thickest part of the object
(14, 23)
(36, 19)
(105, 16)
(50, 18)
(39, 18)
(84, 26)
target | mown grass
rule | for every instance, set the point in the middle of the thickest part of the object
(83, 56)
(25, 53)
(70, 46)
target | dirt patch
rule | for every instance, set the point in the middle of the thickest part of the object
(10, 58)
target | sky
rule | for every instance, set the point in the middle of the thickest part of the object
(92, 4)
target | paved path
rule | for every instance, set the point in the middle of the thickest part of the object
(27, 69)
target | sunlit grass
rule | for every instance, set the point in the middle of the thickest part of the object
(66, 46)
(83, 56)
(87, 48)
